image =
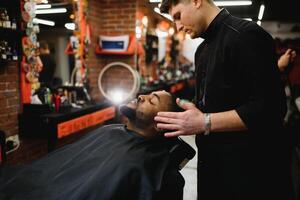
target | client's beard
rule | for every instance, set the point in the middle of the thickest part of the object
(128, 112)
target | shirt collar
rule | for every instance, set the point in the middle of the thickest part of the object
(214, 25)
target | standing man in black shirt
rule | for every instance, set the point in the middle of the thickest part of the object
(47, 74)
(243, 152)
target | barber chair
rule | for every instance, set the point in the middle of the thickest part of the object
(173, 184)
(2, 147)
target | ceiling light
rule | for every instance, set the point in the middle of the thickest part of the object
(248, 19)
(42, 21)
(156, 9)
(43, 6)
(51, 11)
(70, 26)
(154, 1)
(44, 1)
(261, 12)
(259, 22)
(233, 3)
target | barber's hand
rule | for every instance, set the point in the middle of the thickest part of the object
(188, 122)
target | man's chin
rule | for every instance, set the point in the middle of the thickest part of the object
(128, 111)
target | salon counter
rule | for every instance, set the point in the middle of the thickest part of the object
(56, 125)
(38, 121)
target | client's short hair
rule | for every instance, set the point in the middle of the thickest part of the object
(174, 106)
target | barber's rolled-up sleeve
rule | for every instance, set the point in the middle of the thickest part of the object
(265, 106)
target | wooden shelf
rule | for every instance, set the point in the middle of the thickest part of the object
(9, 60)
(9, 31)
(130, 50)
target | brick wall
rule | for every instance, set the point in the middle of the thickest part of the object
(106, 17)
(33, 148)
(109, 17)
(9, 97)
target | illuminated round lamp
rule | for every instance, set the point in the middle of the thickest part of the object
(117, 95)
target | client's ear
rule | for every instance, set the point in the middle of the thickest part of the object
(158, 129)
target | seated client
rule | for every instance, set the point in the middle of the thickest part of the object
(113, 162)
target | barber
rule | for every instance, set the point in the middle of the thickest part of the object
(243, 152)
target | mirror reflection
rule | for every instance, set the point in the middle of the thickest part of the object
(55, 31)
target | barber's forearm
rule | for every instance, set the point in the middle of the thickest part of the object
(226, 121)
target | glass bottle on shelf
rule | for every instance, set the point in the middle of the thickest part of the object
(7, 21)
(9, 53)
(15, 53)
(14, 24)
(3, 47)
(1, 17)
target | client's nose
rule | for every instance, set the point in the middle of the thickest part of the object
(141, 98)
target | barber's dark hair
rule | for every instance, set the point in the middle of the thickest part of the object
(167, 4)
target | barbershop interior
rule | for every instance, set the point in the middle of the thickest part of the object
(81, 82)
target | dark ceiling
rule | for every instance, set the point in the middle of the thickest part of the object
(275, 10)
(60, 18)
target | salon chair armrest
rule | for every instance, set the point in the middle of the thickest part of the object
(172, 186)
(181, 154)
(2, 147)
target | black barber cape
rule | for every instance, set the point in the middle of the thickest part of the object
(110, 162)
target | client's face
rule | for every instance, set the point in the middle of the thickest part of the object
(147, 106)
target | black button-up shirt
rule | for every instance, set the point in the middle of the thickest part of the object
(236, 69)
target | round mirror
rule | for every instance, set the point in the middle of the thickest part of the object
(118, 82)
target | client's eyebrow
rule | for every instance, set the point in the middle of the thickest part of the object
(156, 95)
